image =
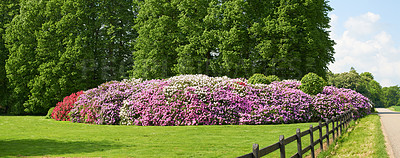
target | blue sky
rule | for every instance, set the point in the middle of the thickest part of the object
(367, 33)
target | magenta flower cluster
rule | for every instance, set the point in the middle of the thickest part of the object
(334, 101)
(203, 100)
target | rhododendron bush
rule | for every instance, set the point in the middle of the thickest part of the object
(101, 105)
(334, 101)
(203, 100)
(62, 109)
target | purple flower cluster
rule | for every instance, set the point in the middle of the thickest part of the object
(101, 105)
(334, 101)
(203, 100)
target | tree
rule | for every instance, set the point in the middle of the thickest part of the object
(8, 9)
(235, 38)
(197, 50)
(158, 37)
(367, 76)
(294, 39)
(391, 96)
(21, 42)
(68, 46)
(375, 89)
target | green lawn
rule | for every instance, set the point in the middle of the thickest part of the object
(39, 137)
(394, 108)
(364, 139)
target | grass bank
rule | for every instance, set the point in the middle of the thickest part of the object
(363, 139)
(394, 108)
(39, 137)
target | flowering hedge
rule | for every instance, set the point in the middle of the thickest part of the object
(62, 109)
(203, 100)
(101, 105)
(334, 101)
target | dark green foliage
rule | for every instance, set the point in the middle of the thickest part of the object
(312, 84)
(58, 47)
(48, 116)
(258, 78)
(272, 78)
(234, 38)
(158, 39)
(8, 9)
(391, 96)
(293, 39)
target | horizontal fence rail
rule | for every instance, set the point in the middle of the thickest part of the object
(338, 123)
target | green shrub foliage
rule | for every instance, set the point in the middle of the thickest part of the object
(272, 78)
(312, 84)
(258, 78)
(48, 116)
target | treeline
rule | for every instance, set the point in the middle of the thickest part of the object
(52, 48)
(365, 84)
(56, 47)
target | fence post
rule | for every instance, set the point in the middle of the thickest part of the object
(327, 130)
(298, 142)
(282, 146)
(312, 141)
(341, 123)
(321, 144)
(256, 151)
(344, 121)
(352, 115)
(337, 126)
(333, 128)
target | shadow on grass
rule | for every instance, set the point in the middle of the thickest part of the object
(46, 147)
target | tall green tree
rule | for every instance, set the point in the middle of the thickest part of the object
(194, 54)
(21, 66)
(216, 40)
(158, 37)
(8, 9)
(294, 39)
(235, 38)
(73, 45)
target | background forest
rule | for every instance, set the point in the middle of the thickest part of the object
(52, 48)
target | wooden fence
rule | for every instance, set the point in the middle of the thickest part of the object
(338, 123)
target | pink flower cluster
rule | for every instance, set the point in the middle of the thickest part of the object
(203, 100)
(334, 101)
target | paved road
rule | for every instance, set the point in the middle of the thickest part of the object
(391, 128)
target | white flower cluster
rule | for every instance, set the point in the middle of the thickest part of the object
(197, 82)
(203, 85)
(123, 114)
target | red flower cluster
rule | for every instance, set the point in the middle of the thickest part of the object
(60, 112)
(241, 83)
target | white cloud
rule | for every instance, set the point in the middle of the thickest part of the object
(368, 48)
(362, 25)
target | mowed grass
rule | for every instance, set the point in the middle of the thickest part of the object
(394, 108)
(38, 137)
(364, 139)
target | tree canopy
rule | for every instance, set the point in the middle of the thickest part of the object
(235, 38)
(59, 47)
